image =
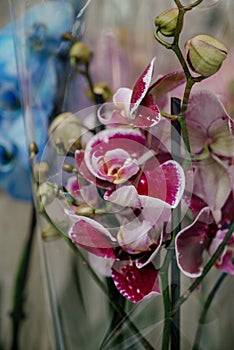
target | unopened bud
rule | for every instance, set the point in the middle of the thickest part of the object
(166, 22)
(49, 233)
(101, 89)
(45, 194)
(41, 171)
(65, 132)
(205, 54)
(32, 149)
(80, 54)
(85, 211)
(69, 168)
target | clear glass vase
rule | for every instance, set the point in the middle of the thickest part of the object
(133, 187)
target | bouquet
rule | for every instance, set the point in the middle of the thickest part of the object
(139, 184)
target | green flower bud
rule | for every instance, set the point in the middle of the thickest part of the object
(166, 22)
(66, 130)
(85, 211)
(205, 54)
(32, 150)
(41, 172)
(80, 54)
(101, 89)
(49, 233)
(46, 194)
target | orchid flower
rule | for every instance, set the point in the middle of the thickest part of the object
(212, 143)
(43, 36)
(139, 107)
(142, 192)
(205, 234)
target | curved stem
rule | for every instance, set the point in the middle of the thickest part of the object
(207, 268)
(190, 7)
(205, 309)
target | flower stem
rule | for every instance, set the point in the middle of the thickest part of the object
(207, 268)
(17, 313)
(206, 308)
(176, 226)
(166, 299)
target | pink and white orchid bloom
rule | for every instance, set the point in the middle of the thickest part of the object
(205, 234)
(139, 107)
(213, 144)
(134, 283)
(142, 191)
(135, 107)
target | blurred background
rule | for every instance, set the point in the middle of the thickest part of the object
(15, 222)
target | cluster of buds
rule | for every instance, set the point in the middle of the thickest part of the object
(204, 54)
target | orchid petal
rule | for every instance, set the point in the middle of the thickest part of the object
(175, 180)
(165, 182)
(212, 183)
(100, 265)
(141, 87)
(93, 237)
(204, 107)
(227, 263)
(190, 244)
(136, 284)
(84, 171)
(222, 139)
(126, 196)
(108, 115)
(149, 256)
(155, 211)
(133, 237)
(197, 137)
(122, 99)
(166, 84)
(147, 117)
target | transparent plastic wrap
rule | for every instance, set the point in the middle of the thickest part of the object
(128, 109)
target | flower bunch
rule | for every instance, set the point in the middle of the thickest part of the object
(141, 184)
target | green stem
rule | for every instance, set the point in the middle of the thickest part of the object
(206, 269)
(205, 309)
(166, 299)
(188, 7)
(176, 226)
(17, 313)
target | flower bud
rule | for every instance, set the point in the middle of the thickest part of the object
(80, 54)
(33, 150)
(85, 211)
(46, 194)
(49, 233)
(41, 171)
(205, 54)
(66, 130)
(101, 89)
(166, 22)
